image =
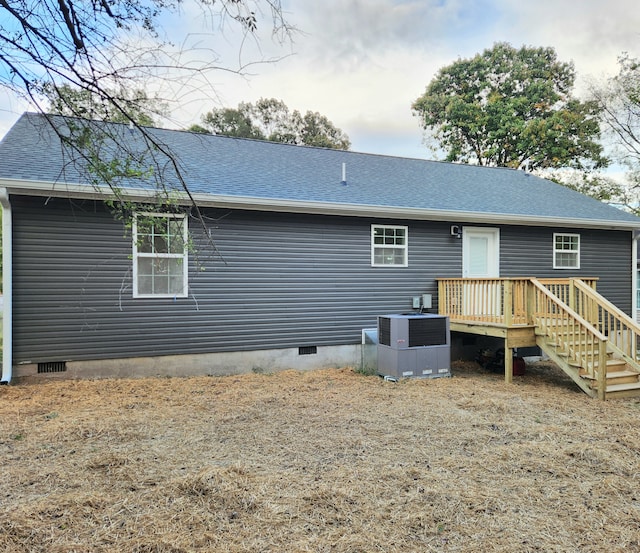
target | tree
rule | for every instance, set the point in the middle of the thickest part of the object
(83, 55)
(594, 184)
(230, 122)
(77, 102)
(511, 108)
(270, 119)
(619, 102)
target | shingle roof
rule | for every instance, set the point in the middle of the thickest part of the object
(217, 166)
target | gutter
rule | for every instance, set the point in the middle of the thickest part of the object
(7, 287)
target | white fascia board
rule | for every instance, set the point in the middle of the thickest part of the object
(66, 190)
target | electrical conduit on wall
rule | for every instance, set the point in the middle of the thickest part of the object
(7, 287)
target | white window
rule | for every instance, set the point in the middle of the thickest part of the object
(389, 246)
(160, 261)
(566, 251)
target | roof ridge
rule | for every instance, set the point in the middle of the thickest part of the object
(269, 142)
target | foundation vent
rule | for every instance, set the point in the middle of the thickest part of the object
(307, 350)
(52, 367)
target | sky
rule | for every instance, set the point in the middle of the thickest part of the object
(362, 63)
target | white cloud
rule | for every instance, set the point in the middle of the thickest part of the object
(591, 33)
(363, 62)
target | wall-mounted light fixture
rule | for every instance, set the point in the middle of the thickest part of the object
(456, 230)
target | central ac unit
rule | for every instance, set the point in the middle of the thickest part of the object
(414, 345)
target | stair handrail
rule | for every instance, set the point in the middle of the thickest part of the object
(580, 341)
(622, 331)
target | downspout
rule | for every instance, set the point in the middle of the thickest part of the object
(7, 287)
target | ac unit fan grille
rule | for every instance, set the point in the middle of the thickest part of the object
(427, 332)
(384, 331)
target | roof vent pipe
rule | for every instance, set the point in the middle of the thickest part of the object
(344, 174)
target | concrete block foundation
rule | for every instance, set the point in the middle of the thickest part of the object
(209, 364)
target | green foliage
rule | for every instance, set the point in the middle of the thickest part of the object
(270, 119)
(511, 108)
(116, 159)
(117, 106)
(366, 370)
(230, 122)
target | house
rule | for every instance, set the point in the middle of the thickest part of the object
(295, 251)
(637, 304)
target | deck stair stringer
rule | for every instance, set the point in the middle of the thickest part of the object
(600, 357)
(574, 372)
(622, 378)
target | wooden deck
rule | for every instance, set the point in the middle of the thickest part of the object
(574, 325)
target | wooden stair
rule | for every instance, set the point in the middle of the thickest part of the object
(621, 380)
(587, 336)
(575, 345)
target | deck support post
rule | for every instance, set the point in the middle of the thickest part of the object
(508, 363)
(507, 303)
(507, 313)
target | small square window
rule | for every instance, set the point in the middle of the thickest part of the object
(566, 251)
(389, 246)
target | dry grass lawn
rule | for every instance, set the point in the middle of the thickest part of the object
(323, 461)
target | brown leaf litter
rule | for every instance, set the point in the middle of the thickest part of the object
(323, 461)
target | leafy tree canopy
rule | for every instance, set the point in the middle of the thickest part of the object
(270, 119)
(122, 106)
(511, 108)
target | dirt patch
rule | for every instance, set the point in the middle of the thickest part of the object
(318, 461)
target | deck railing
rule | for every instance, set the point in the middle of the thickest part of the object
(563, 288)
(572, 336)
(621, 330)
(496, 301)
(500, 301)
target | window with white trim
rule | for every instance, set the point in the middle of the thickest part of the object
(160, 256)
(389, 246)
(566, 251)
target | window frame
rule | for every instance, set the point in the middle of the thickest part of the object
(557, 251)
(404, 247)
(137, 255)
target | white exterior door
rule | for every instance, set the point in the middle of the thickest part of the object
(481, 259)
(480, 252)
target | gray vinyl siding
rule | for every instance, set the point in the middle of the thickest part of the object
(528, 251)
(272, 281)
